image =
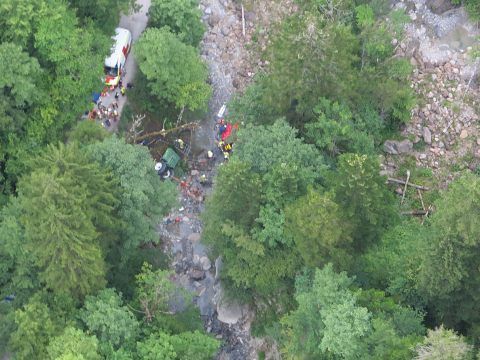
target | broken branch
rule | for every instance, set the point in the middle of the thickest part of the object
(398, 181)
(405, 187)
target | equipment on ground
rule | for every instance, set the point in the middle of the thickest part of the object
(167, 164)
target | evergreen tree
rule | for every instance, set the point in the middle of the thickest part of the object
(363, 197)
(67, 202)
(320, 233)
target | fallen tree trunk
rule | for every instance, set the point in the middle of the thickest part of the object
(415, 212)
(402, 182)
(164, 132)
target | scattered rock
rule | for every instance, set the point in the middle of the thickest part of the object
(427, 135)
(194, 237)
(422, 156)
(249, 16)
(440, 6)
(194, 172)
(225, 30)
(218, 267)
(208, 11)
(463, 134)
(397, 147)
(205, 263)
(196, 274)
(213, 20)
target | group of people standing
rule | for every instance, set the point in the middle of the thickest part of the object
(221, 137)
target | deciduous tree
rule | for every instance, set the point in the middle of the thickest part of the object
(110, 320)
(443, 344)
(154, 290)
(35, 328)
(181, 82)
(104, 13)
(327, 322)
(144, 198)
(183, 17)
(73, 344)
(320, 233)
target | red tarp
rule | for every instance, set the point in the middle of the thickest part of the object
(227, 132)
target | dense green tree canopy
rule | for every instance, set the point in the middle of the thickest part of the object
(310, 59)
(327, 321)
(66, 202)
(365, 200)
(333, 321)
(19, 80)
(181, 82)
(144, 198)
(443, 344)
(107, 317)
(35, 328)
(73, 344)
(447, 276)
(104, 13)
(183, 17)
(319, 230)
(184, 346)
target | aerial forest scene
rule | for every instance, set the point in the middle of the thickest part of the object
(240, 179)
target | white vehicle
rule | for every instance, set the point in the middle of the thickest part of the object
(115, 63)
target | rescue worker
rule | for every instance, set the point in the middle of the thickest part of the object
(180, 144)
(226, 155)
(210, 155)
(227, 148)
(203, 179)
(123, 90)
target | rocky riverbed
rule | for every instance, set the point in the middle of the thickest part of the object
(232, 67)
(443, 134)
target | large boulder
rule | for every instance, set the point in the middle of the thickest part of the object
(395, 147)
(228, 310)
(427, 135)
(196, 274)
(440, 6)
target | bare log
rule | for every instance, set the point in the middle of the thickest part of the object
(243, 22)
(164, 132)
(421, 198)
(429, 210)
(415, 212)
(405, 187)
(402, 182)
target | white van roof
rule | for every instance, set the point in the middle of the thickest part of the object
(121, 39)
